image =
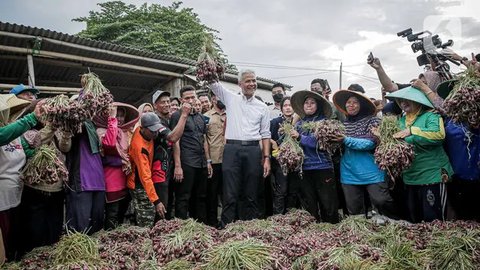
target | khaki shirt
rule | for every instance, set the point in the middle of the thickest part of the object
(216, 135)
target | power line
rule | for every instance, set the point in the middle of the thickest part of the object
(301, 75)
(247, 64)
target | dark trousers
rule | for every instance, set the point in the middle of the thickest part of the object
(115, 212)
(319, 191)
(265, 196)
(162, 191)
(379, 195)
(85, 211)
(426, 202)
(464, 196)
(398, 192)
(8, 233)
(293, 191)
(191, 194)
(342, 204)
(214, 187)
(241, 173)
(279, 186)
(170, 206)
(41, 218)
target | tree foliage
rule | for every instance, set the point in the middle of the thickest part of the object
(171, 30)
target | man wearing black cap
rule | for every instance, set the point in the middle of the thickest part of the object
(147, 202)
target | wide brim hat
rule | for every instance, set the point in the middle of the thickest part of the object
(15, 106)
(444, 89)
(412, 94)
(366, 105)
(298, 99)
(132, 115)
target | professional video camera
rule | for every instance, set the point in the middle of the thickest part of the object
(428, 44)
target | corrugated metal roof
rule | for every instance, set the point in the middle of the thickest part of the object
(73, 39)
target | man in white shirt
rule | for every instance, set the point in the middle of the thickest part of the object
(248, 123)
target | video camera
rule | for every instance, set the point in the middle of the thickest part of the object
(428, 44)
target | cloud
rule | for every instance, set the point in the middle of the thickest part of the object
(303, 39)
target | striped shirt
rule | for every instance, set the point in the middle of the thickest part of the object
(247, 119)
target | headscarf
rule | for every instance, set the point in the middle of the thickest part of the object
(121, 148)
(433, 79)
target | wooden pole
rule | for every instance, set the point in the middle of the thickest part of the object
(31, 71)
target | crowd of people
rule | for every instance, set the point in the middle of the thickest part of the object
(212, 157)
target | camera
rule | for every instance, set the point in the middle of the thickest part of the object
(428, 44)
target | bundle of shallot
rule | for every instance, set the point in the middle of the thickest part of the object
(62, 113)
(392, 155)
(463, 104)
(209, 66)
(324, 131)
(45, 167)
(95, 97)
(290, 154)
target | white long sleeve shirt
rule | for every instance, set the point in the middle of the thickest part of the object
(247, 119)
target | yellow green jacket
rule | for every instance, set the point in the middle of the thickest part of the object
(427, 136)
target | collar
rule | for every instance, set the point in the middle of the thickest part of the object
(248, 99)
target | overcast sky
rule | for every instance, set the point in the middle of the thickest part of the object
(297, 41)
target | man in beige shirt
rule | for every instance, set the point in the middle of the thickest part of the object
(216, 142)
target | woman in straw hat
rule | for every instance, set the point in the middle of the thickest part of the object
(358, 172)
(12, 159)
(318, 187)
(425, 179)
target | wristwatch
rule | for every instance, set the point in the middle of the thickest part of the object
(209, 161)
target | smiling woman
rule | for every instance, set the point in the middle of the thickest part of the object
(425, 179)
(359, 174)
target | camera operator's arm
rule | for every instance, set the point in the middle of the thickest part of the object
(386, 82)
(453, 55)
(436, 100)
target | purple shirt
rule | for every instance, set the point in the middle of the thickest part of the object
(91, 168)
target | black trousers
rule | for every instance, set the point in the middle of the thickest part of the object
(115, 212)
(379, 195)
(41, 218)
(294, 199)
(241, 172)
(319, 192)
(191, 194)
(265, 196)
(464, 196)
(214, 187)
(85, 211)
(279, 186)
(426, 202)
(170, 206)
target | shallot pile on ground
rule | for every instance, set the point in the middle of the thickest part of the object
(291, 241)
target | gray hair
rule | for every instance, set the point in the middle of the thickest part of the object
(243, 72)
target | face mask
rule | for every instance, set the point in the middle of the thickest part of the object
(220, 105)
(278, 97)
